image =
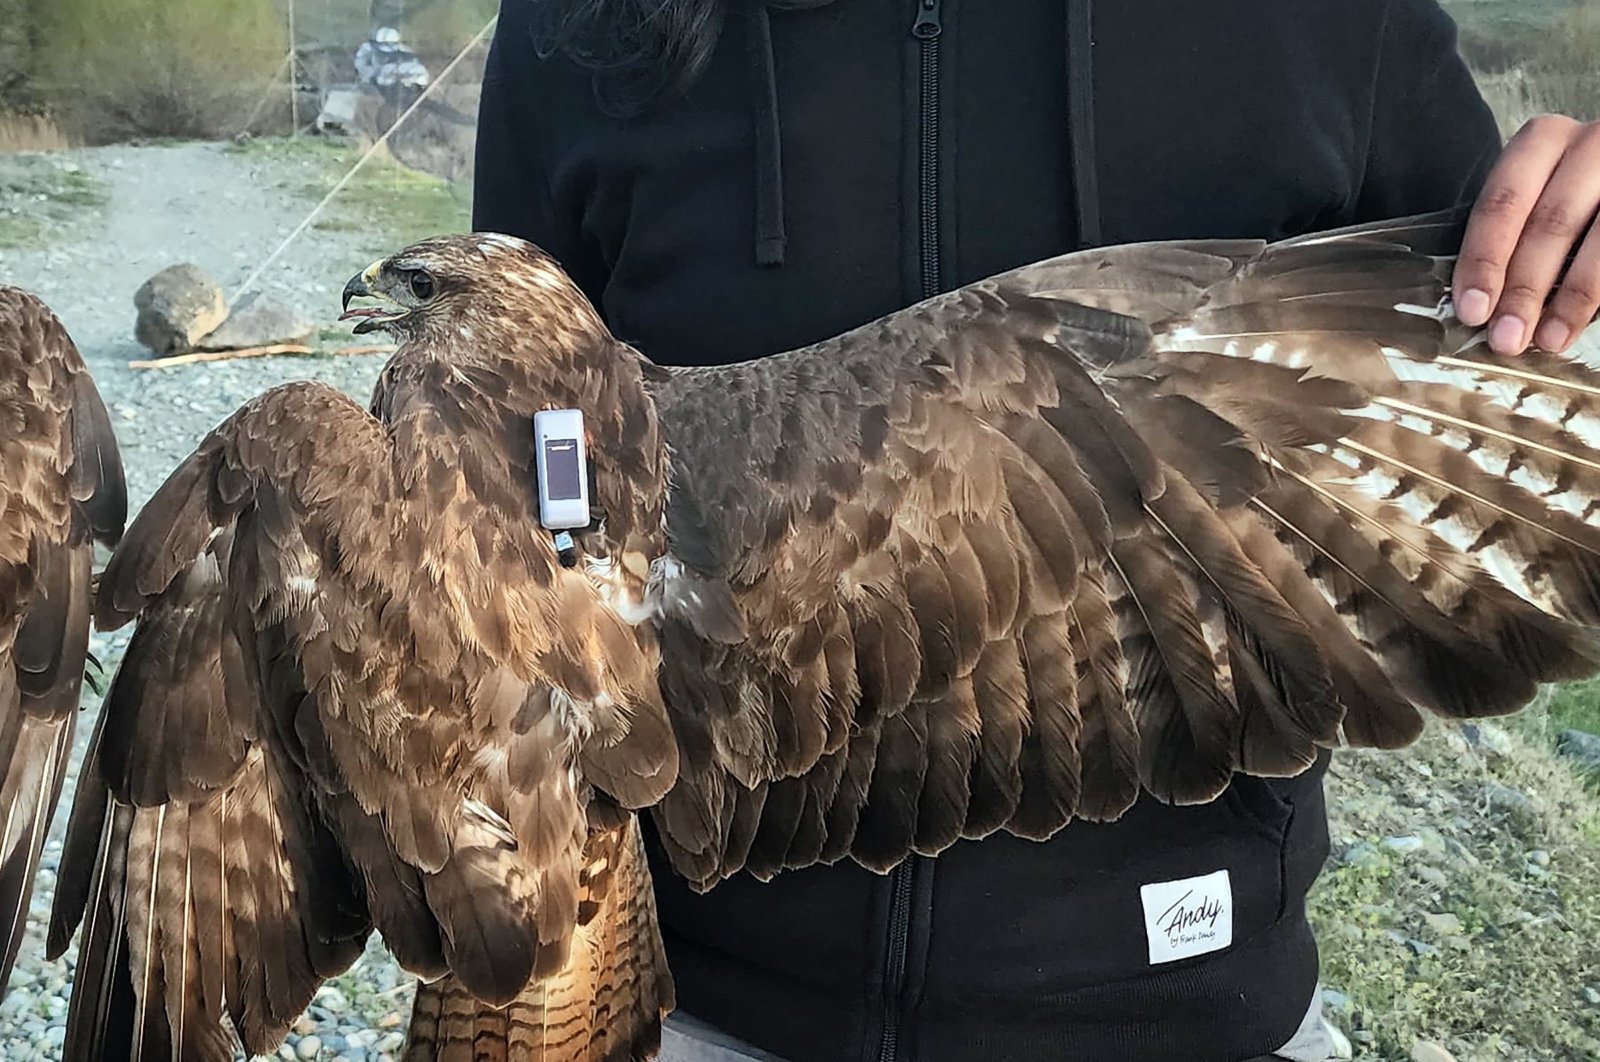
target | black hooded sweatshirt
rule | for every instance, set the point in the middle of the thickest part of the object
(838, 161)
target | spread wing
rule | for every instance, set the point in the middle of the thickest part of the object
(209, 894)
(61, 489)
(420, 698)
(1132, 519)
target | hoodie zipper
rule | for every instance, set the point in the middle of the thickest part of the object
(927, 29)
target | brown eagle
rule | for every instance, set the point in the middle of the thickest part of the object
(1128, 520)
(61, 490)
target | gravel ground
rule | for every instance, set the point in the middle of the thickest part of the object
(224, 210)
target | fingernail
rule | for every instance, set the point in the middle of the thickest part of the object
(1473, 307)
(1553, 336)
(1506, 335)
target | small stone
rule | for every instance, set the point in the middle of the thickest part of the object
(1432, 875)
(287, 1052)
(1421, 768)
(1335, 1000)
(310, 1047)
(1539, 857)
(333, 1000)
(1591, 995)
(389, 1021)
(304, 1025)
(1421, 948)
(1403, 845)
(1535, 871)
(1446, 925)
(55, 1036)
(1361, 854)
(176, 307)
(1428, 1051)
(391, 1042)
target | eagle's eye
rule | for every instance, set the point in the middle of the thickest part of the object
(422, 285)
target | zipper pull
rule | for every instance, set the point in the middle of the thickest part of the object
(928, 25)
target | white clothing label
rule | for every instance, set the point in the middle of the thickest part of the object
(1189, 917)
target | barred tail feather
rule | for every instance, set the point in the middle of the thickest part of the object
(604, 1005)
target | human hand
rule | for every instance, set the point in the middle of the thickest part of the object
(1537, 208)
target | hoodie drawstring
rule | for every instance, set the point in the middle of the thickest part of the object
(770, 238)
(1080, 120)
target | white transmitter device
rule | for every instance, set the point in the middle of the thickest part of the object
(563, 468)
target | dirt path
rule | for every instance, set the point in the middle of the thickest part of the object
(223, 209)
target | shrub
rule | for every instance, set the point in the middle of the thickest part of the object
(114, 69)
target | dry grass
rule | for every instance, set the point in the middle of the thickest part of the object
(1550, 65)
(31, 132)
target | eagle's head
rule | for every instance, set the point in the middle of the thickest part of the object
(477, 287)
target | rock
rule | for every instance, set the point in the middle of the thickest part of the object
(1591, 995)
(1421, 948)
(1582, 748)
(310, 1047)
(1335, 1000)
(258, 321)
(1488, 737)
(389, 1021)
(1428, 1051)
(1432, 875)
(333, 1000)
(1539, 857)
(1403, 845)
(176, 308)
(1509, 802)
(55, 1036)
(304, 1025)
(392, 1041)
(1446, 925)
(1361, 854)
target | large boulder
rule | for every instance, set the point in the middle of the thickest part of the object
(258, 321)
(177, 307)
(1582, 748)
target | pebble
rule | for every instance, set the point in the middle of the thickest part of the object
(1447, 925)
(1403, 845)
(1539, 857)
(1421, 948)
(1432, 875)
(1362, 854)
(391, 1042)
(310, 1047)
(1428, 1051)
(390, 1020)
(1591, 995)
(333, 1000)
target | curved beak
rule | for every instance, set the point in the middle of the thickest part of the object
(369, 318)
(360, 285)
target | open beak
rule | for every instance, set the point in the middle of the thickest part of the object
(369, 318)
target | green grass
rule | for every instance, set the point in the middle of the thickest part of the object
(386, 202)
(39, 193)
(1576, 706)
(1508, 982)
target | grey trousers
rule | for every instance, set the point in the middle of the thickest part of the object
(687, 1039)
